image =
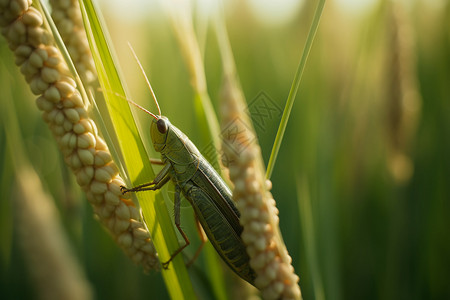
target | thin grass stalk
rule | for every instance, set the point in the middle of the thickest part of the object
(269, 258)
(181, 20)
(309, 234)
(63, 110)
(55, 272)
(403, 98)
(294, 89)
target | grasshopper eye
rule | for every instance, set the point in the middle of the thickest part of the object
(162, 126)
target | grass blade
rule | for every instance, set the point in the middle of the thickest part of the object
(294, 89)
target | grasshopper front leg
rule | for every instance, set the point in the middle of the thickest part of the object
(160, 180)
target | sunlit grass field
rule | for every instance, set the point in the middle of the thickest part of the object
(361, 180)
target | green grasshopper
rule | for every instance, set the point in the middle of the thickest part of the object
(206, 191)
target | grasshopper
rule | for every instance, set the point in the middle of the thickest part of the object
(202, 186)
(205, 190)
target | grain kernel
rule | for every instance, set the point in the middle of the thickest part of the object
(122, 211)
(85, 175)
(102, 158)
(16, 7)
(75, 162)
(134, 212)
(53, 62)
(140, 233)
(57, 130)
(111, 198)
(59, 117)
(86, 140)
(65, 140)
(260, 244)
(52, 94)
(23, 51)
(138, 242)
(114, 186)
(81, 112)
(65, 88)
(72, 115)
(36, 60)
(98, 187)
(106, 212)
(17, 28)
(79, 128)
(76, 99)
(137, 258)
(49, 75)
(102, 175)
(148, 248)
(86, 157)
(37, 85)
(32, 18)
(43, 104)
(121, 225)
(66, 103)
(67, 125)
(101, 145)
(125, 239)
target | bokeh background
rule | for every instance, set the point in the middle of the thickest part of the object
(362, 177)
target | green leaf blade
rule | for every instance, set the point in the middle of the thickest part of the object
(134, 156)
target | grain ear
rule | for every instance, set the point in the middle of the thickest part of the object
(83, 149)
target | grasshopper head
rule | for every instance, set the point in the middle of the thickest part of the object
(158, 132)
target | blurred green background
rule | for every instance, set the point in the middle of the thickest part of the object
(362, 178)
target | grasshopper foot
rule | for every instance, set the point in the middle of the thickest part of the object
(124, 190)
(165, 265)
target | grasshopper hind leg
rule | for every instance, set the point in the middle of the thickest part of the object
(176, 207)
(203, 239)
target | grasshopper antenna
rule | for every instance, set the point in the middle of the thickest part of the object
(145, 76)
(132, 102)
